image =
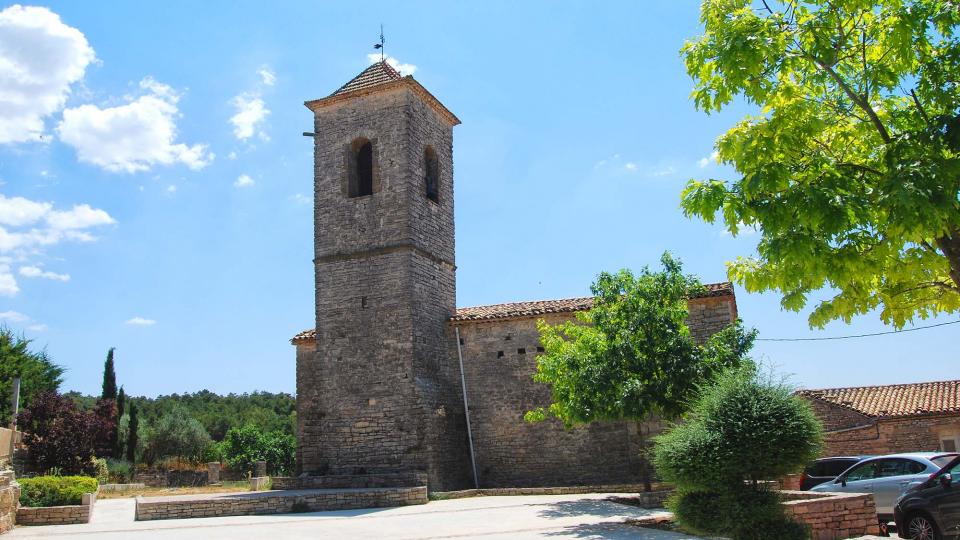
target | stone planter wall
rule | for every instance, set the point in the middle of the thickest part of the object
(833, 516)
(58, 515)
(654, 498)
(274, 502)
(121, 487)
(9, 498)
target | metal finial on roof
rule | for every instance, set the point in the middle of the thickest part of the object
(380, 45)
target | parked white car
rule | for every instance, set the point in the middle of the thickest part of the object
(887, 477)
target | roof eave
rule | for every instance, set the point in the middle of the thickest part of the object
(316, 105)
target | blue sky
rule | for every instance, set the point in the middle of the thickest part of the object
(156, 188)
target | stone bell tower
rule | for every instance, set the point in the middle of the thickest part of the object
(382, 393)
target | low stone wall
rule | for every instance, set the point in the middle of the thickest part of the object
(660, 495)
(121, 487)
(833, 516)
(274, 502)
(9, 499)
(259, 483)
(342, 481)
(58, 515)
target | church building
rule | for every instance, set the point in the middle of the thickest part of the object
(394, 379)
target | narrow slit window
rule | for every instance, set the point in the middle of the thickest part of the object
(431, 179)
(361, 168)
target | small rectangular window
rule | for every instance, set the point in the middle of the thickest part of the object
(540, 349)
(521, 351)
(499, 354)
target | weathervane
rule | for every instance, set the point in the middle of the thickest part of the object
(380, 45)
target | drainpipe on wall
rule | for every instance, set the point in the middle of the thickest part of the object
(466, 410)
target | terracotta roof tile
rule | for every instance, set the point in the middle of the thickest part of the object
(378, 73)
(895, 400)
(535, 308)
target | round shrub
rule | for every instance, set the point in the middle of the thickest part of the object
(55, 490)
(742, 430)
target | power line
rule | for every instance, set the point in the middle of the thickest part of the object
(859, 335)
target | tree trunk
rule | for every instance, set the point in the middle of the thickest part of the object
(949, 244)
(644, 464)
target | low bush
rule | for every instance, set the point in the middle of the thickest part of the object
(98, 467)
(121, 471)
(742, 431)
(55, 490)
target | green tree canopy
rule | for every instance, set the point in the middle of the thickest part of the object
(632, 355)
(851, 168)
(37, 372)
(176, 435)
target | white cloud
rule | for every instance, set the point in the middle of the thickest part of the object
(300, 198)
(243, 181)
(232, 155)
(140, 321)
(250, 117)
(8, 283)
(171, 189)
(37, 327)
(630, 166)
(662, 171)
(13, 316)
(703, 162)
(40, 57)
(132, 137)
(267, 75)
(28, 227)
(37, 272)
(404, 69)
(17, 211)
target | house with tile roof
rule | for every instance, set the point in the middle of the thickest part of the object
(888, 419)
(394, 379)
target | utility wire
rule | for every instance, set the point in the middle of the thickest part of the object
(859, 335)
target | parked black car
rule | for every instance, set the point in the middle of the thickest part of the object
(931, 510)
(827, 469)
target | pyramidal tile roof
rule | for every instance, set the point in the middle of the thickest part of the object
(378, 73)
(535, 308)
(896, 400)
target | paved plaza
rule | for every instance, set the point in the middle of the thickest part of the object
(548, 516)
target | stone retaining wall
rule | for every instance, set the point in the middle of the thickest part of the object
(634, 489)
(274, 502)
(121, 487)
(341, 481)
(833, 516)
(58, 515)
(9, 498)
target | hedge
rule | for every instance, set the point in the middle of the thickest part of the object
(55, 490)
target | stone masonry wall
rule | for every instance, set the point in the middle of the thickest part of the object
(849, 433)
(499, 362)
(58, 515)
(382, 392)
(272, 502)
(9, 500)
(833, 516)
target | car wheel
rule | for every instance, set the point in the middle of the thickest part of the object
(921, 527)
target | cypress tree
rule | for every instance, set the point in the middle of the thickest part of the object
(132, 434)
(109, 378)
(121, 401)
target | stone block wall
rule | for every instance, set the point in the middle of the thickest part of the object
(851, 433)
(833, 516)
(273, 502)
(9, 500)
(58, 515)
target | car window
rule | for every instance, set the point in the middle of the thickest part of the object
(913, 467)
(941, 461)
(834, 468)
(890, 467)
(864, 471)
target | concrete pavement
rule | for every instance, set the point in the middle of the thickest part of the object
(494, 518)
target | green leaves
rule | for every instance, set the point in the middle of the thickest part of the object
(852, 171)
(632, 354)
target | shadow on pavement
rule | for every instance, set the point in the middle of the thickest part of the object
(592, 507)
(618, 531)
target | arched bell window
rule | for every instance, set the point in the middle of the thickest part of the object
(360, 181)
